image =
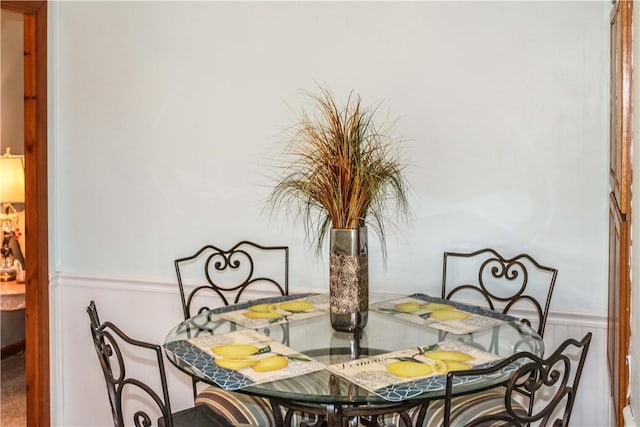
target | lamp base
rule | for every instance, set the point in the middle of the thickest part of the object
(8, 274)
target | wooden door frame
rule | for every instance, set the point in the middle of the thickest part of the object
(621, 101)
(36, 210)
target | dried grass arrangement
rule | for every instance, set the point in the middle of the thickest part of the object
(343, 171)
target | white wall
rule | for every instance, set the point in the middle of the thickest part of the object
(166, 117)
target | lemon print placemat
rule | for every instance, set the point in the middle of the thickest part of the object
(239, 359)
(448, 316)
(407, 373)
(262, 315)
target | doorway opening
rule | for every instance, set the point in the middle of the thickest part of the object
(36, 209)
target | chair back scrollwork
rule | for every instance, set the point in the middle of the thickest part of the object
(213, 275)
(550, 386)
(502, 283)
(109, 340)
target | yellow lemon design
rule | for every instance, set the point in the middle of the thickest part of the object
(296, 306)
(448, 355)
(439, 367)
(271, 363)
(262, 315)
(235, 364)
(235, 350)
(449, 315)
(455, 365)
(408, 369)
(432, 306)
(408, 307)
(264, 308)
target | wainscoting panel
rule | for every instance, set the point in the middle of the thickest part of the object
(593, 402)
(148, 310)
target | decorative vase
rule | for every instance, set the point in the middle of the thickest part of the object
(348, 279)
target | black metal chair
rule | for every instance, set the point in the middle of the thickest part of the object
(108, 339)
(222, 276)
(226, 274)
(551, 384)
(502, 283)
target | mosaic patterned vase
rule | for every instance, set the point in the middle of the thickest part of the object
(348, 279)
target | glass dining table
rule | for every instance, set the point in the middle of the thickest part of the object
(331, 394)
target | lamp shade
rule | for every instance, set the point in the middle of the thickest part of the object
(11, 178)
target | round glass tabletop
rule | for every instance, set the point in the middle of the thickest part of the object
(314, 337)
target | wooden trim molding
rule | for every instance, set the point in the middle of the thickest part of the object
(621, 104)
(620, 205)
(36, 225)
(626, 117)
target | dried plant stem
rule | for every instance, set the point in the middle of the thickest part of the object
(344, 171)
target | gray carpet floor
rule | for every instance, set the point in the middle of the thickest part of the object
(12, 398)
